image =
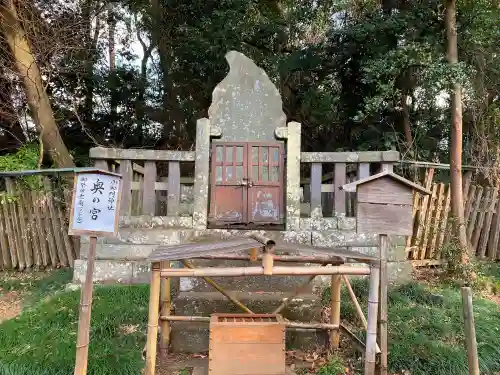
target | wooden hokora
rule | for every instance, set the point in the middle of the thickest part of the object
(384, 203)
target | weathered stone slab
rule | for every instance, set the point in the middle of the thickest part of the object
(202, 168)
(140, 154)
(341, 238)
(327, 223)
(124, 252)
(105, 271)
(347, 223)
(246, 105)
(150, 222)
(141, 273)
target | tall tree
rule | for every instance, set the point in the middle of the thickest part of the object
(457, 200)
(36, 95)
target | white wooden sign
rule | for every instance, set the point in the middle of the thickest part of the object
(96, 204)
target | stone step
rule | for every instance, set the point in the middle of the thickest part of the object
(304, 308)
(193, 337)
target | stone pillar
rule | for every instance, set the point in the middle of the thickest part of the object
(293, 176)
(202, 173)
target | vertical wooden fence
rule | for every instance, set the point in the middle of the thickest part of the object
(432, 221)
(33, 227)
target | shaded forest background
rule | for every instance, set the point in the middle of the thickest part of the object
(358, 74)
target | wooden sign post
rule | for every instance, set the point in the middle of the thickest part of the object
(384, 207)
(95, 213)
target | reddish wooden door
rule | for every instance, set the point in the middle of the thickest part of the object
(246, 183)
(265, 191)
(229, 179)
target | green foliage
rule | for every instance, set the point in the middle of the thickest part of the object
(25, 158)
(41, 340)
(426, 328)
(335, 366)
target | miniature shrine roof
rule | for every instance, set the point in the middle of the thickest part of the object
(351, 187)
(210, 246)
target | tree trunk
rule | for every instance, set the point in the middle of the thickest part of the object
(37, 97)
(406, 121)
(457, 201)
(112, 62)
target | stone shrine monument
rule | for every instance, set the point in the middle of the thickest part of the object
(247, 163)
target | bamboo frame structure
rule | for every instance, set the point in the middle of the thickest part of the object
(383, 247)
(257, 271)
(288, 324)
(154, 302)
(332, 266)
(335, 310)
(371, 332)
(166, 306)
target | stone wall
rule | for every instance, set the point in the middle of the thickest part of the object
(123, 259)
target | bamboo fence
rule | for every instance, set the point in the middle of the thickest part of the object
(433, 221)
(33, 228)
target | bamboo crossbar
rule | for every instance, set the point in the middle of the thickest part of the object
(291, 325)
(256, 271)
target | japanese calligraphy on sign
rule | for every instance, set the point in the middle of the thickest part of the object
(96, 199)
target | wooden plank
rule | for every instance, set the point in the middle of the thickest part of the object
(383, 218)
(428, 222)
(444, 221)
(174, 188)
(487, 224)
(47, 227)
(14, 221)
(340, 195)
(349, 157)
(5, 262)
(32, 228)
(126, 199)
(40, 229)
(475, 210)
(56, 226)
(25, 231)
(10, 236)
(438, 218)
(495, 233)
(480, 220)
(429, 176)
(470, 203)
(149, 194)
(316, 208)
(385, 191)
(139, 154)
(64, 224)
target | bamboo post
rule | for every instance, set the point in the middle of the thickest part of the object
(383, 248)
(357, 305)
(470, 331)
(254, 253)
(166, 306)
(82, 340)
(267, 263)
(371, 332)
(154, 302)
(335, 311)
